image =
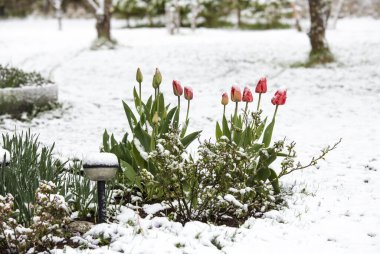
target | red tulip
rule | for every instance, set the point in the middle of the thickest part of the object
(188, 93)
(261, 86)
(224, 99)
(279, 97)
(177, 88)
(247, 95)
(235, 94)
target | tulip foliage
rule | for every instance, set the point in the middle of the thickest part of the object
(250, 132)
(150, 120)
(227, 181)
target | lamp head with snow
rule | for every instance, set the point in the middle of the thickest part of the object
(100, 166)
(5, 157)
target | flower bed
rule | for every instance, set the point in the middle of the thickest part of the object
(21, 91)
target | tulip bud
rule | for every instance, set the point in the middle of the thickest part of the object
(247, 95)
(157, 78)
(261, 86)
(188, 93)
(279, 97)
(177, 88)
(139, 76)
(224, 99)
(235, 94)
(155, 118)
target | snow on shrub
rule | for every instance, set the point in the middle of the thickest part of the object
(227, 181)
(47, 227)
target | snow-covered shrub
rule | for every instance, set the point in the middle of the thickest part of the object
(14, 77)
(149, 120)
(47, 227)
(220, 186)
(30, 163)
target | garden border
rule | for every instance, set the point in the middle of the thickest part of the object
(19, 99)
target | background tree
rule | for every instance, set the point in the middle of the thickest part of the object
(102, 10)
(319, 14)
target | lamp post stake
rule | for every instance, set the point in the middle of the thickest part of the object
(102, 213)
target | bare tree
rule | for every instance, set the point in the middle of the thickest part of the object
(102, 9)
(336, 14)
(57, 4)
(319, 14)
(296, 16)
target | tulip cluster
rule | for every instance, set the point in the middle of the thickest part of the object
(236, 96)
(188, 94)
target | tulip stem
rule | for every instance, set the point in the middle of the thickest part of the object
(258, 103)
(275, 112)
(245, 111)
(179, 102)
(140, 97)
(188, 108)
(224, 110)
(236, 110)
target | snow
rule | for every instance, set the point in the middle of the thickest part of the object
(4, 156)
(335, 209)
(100, 159)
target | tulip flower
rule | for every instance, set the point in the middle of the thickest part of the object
(235, 94)
(279, 98)
(139, 79)
(157, 79)
(188, 94)
(247, 98)
(247, 95)
(235, 97)
(261, 87)
(224, 102)
(177, 90)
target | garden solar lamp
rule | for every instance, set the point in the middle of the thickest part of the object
(101, 167)
(5, 157)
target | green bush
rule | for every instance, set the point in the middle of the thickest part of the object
(153, 118)
(14, 77)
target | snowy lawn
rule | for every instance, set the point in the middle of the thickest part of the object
(336, 208)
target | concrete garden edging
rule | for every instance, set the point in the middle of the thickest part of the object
(19, 99)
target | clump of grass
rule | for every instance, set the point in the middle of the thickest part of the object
(14, 77)
(30, 163)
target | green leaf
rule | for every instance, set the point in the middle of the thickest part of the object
(263, 174)
(273, 178)
(186, 141)
(130, 116)
(226, 130)
(136, 99)
(106, 145)
(260, 129)
(218, 132)
(143, 137)
(184, 128)
(130, 173)
(168, 120)
(113, 141)
(268, 134)
(176, 119)
(161, 106)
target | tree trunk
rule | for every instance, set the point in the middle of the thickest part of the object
(238, 13)
(337, 12)
(318, 18)
(103, 22)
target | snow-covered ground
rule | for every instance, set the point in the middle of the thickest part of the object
(339, 210)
